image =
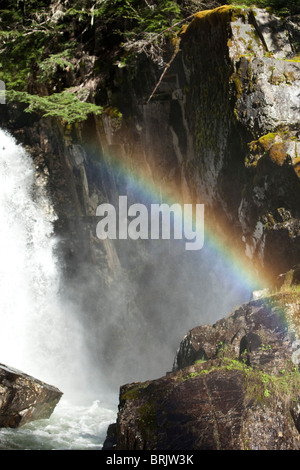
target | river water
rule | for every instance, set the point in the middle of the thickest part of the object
(71, 427)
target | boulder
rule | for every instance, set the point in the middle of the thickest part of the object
(263, 333)
(24, 398)
(235, 385)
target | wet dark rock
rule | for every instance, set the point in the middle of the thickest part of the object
(257, 332)
(24, 398)
(242, 394)
(111, 439)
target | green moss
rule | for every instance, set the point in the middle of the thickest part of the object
(271, 146)
(259, 148)
(196, 374)
(259, 385)
(147, 423)
(131, 394)
(210, 18)
(266, 140)
(238, 85)
(223, 12)
(200, 361)
(294, 59)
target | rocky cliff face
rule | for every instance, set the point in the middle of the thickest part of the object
(258, 106)
(220, 129)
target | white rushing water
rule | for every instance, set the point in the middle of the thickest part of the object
(39, 334)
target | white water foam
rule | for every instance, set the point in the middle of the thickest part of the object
(69, 428)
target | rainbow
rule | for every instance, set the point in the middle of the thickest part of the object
(151, 186)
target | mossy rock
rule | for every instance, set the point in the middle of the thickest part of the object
(266, 141)
(277, 153)
(207, 19)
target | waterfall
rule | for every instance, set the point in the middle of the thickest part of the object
(38, 333)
